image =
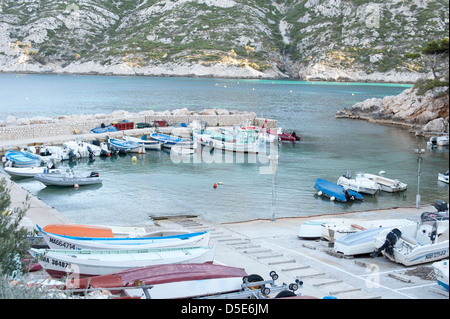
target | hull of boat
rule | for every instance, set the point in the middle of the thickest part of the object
(130, 147)
(88, 263)
(441, 271)
(65, 181)
(29, 171)
(312, 229)
(172, 281)
(359, 185)
(22, 159)
(443, 178)
(148, 144)
(76, 243)
(387, 184)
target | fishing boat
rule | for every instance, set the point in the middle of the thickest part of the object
(168, 141)
(171, 281)
(68, 179)
(148, 144)
(386, 184)
(128, 146)
(441, 271)
(56, 241)
(412, 244)
(87, 263)
(22, 159)
(335, 192)
(443, 177)
(359, 184)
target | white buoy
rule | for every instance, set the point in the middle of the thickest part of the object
(76, 186)
(381, 172)
(332, 198)
(320, 193)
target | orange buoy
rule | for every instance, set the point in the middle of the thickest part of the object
(215, 185)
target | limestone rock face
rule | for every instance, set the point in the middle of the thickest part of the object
(426, 114)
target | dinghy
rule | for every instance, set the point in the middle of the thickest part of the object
(68, 179)
(312, 229)
(412, 244)
(30, 171)
(171, 281)
(87, 263)
(168, 141)
(335, 192)
(387, 184)
(441, 271)
(148, 144)
(359, 184)
(55, 241)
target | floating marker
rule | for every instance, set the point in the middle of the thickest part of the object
(215, 185)
(75, 186)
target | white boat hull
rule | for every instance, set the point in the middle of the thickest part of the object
(87, 263)
(148, 144)
(387, 184)
(360, 185)
(29, 171)
(441, 271)
(412, 249)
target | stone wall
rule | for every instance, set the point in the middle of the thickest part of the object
(63, 125)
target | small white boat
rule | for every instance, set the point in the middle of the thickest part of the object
(87, 263)
(412, 244)
(148, 144)
(344, 227)
(438, 141)
(443, 177)
(387, 184)
(68, 179)
(30, 171)
(441, 271)
(358, 184)
(56, 241)
(312, 229)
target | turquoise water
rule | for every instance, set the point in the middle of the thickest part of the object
(157, 185)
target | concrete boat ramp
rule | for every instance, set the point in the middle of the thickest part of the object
(262, 246)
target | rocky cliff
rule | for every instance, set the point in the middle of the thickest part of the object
(351, 40)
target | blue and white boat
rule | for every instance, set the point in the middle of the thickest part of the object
(335, 192)
(22, 159)
(128, 146)
(149, 241)
(168, 141)
(148, 144)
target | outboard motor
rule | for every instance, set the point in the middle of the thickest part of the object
(91, 152)
(391, 239)
(348, 195)
(94, 174)
(441, 206)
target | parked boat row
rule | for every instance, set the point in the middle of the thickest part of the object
(404, 241)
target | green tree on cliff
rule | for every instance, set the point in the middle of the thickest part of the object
(13, 245)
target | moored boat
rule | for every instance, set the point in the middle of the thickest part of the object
(68, 179)
(334, 191)
(168, 141)
(128, 146)
(55, 241)
(148, 144)
(387, 184)
(87, 263)
(171, 281)
(22, 159)
(443, 177)
(359, 184)
(30, 171)
(435, 141)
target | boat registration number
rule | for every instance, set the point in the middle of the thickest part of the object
(56, 262)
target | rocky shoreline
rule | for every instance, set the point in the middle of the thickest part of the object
(425, 115)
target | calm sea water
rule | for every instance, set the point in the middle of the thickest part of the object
(156, 185)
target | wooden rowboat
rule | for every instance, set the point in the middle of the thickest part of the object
(87, 263)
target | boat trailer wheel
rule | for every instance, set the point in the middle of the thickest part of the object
(274, 275)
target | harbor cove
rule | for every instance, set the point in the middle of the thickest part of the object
(247, 199)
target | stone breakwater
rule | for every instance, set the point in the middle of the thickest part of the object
(66, 125)
(426, 114)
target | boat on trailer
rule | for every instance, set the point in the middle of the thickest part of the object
(55, 241)
(87, 262)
